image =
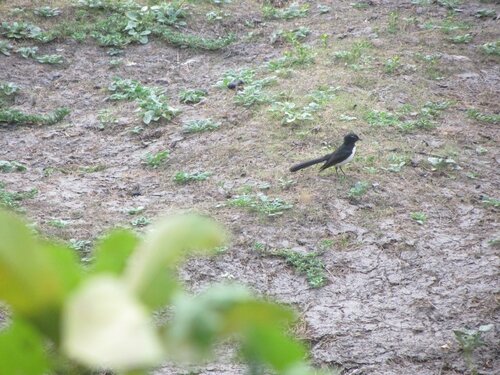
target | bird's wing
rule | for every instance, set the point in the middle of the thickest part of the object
(338, 156)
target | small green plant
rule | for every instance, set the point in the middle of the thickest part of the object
(323, 95)
(80, 246)
(12, 116)
(261, 203)
(419, 217)
(11, 200)
(490, 202)
(246, 75)
(469, 340)
(198, 126)
(50, 59)
(442, 164)
(5, 47)
(93, 168)
(216, 16)
(27, 52)
(292, 36)
(450, 4)
(483, 117)
(392, 64)
(299, 55)
(396, 162)
(291, 114)
(8, 89)
(251, 95)
(186, 177)
(393, 23)
(486, 13)
(192, 96)
(141, 221)
(491, 48)
(324, 40)
(135, 210)
(106, 117)
(152, 101)
(360, 5)
(355, 55)
(11, 166)
(19, 30)
(381, 118)
(156, 160)
(358, 190)
(194, 41)
(58, 223)
(461, 39)
(293, 11)
(322, 9)
(47, 11)
(306, 264)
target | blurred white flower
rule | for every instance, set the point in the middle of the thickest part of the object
(105, 326)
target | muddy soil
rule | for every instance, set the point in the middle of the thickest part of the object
(397, 289)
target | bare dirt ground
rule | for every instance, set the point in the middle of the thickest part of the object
(397, 289)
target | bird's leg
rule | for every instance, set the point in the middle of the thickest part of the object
(336, 171)
(342, 171)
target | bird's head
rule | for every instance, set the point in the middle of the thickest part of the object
(351, 138)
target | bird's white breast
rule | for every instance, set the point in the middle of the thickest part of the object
(348, 160)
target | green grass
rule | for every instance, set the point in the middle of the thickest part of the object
(483, 117)
(254, 93)
(461, 39)
(156, 160)
(135, 210)
(381, 118)
(306, 264)
(198, 126)
(490, 202)
(11, 200)
(419, 217)
(290, 113)
(11, 166)
(12, 116)
(292, 11)
(393, 23)
(58, 223)
(359, 189)
(186, 177)
(396, 162)
(491, 48)
(5, 47)
(392, 64)
(354, 54)
(299, 55)
(261, 203)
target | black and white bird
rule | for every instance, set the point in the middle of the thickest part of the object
(341, 156)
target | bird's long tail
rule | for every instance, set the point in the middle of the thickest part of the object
(298, 167)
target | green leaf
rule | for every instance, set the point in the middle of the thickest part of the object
(165, 245)
(112, 253)
(34, 277)
(225, 311)
(267, 344)
(22, 351)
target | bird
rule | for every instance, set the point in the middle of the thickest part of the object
(235, 85)
(341, 156)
